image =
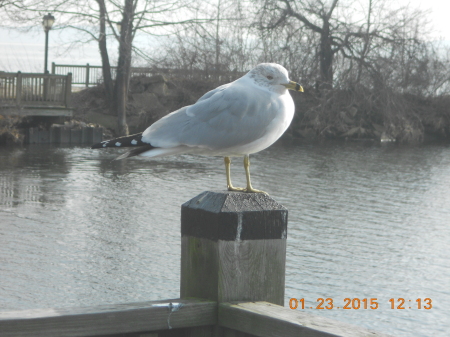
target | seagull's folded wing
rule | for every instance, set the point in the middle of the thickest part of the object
(226, 117)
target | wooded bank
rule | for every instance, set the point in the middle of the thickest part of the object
(336, 114)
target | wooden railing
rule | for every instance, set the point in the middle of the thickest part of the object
(30, 89)
(88, 75)
(81, 74)
(233, 254)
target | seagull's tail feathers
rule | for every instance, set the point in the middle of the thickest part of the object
(135, 152)
(150, 151)
(126, 141)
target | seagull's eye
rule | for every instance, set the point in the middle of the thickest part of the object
(269, 77)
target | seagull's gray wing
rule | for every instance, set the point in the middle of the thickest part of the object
(212, 92)
(228, 117)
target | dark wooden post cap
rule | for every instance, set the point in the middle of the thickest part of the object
(233, 216)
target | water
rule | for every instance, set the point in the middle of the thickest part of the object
(365, 221)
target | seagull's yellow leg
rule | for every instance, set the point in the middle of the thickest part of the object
(249, 188)
(230, 187)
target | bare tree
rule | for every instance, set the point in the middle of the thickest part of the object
(102, 44)
(317, 17)
(341, 29)
(223, 43)
(96, 21)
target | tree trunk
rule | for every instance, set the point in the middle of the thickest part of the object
(217, 65)
(123, 68)
(326, 57)
(106, 67)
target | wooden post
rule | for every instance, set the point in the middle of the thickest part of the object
(45, 81)
(233, 247)
(19, 88)
(68, 90)
(87, 75)
(53, 68)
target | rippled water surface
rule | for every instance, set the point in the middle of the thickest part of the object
(365, 221)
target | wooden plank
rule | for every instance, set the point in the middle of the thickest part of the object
(37, 111)
(225, 332)
(37, 136)
(31, 75)
(98, 135)
(204, 331)
(109, 319)
(31, 136)
(87, 75)
(68, 91)
(19, 88)
(268, 320)
(62, 135)
(76, 136)
(93, 135)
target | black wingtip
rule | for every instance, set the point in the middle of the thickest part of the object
(126, 141)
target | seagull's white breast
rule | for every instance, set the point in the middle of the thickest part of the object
(284, 106)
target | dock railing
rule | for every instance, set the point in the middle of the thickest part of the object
(233, 256)
(32, 89)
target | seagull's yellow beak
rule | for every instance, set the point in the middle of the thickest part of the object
(294, 86)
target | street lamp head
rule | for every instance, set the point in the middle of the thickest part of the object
(48, 21)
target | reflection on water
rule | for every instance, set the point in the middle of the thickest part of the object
(365, 221)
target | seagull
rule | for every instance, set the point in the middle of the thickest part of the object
(234, 120)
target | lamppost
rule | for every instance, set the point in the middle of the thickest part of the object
(47, 23)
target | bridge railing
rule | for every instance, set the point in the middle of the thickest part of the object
(32, 89)
(89, 75)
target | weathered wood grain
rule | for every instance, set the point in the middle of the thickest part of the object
(233, 247)
(268, 320)
(252, 270)
(109, 319)
(37, 111)
(199, 268)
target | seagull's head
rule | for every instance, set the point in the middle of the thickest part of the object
(273, 77)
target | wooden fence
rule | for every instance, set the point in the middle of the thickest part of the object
(35, 89)
(35, 94)
(89, 75)
(233, 254)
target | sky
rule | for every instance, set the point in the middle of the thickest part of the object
(25, 51)
(439, 14)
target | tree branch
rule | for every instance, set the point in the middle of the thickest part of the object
(298, 16)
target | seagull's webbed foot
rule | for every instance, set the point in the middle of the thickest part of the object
(250, 189)
(236, 189)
